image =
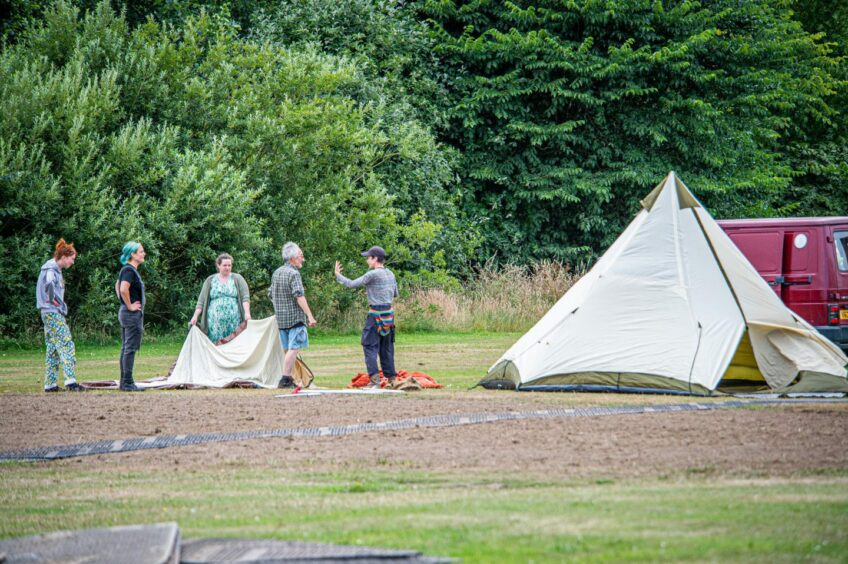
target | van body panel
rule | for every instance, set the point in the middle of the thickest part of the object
(765, 251)
(805, 261)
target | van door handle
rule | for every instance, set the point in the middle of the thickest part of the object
(797, 281)
(778, 280)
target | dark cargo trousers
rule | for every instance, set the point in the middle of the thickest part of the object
(375, 345)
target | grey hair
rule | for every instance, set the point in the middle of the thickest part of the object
(290, 250)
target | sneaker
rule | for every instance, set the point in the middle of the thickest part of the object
(74, 387)
(286, 382)
(371, 387)
(52, 389)
(131, 388)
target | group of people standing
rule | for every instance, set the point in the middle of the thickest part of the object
(222, 307)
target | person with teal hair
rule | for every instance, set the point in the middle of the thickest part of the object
(130, 290)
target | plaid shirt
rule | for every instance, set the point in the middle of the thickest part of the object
(286, 287)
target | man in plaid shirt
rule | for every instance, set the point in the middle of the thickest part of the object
(291, 309)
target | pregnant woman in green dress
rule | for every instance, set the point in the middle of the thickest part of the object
(224, 301)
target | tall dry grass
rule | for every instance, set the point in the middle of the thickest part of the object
(506, 298)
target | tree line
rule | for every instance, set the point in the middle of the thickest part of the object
(451, 133)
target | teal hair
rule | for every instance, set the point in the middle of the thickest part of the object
(128, 250)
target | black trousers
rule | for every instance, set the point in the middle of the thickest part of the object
(132, 328)
(375, 345)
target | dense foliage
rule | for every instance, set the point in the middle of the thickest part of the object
(567, 112)
(447, 131)
(196, 142)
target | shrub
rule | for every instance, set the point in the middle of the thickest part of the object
(195, 141)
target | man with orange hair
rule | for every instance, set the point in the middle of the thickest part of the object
(50, 300)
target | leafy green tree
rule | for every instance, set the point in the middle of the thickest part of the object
(819, 151)
(567, 112)
(401, 85)
(384, 37)
(196, 141)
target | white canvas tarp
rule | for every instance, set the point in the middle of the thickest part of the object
(254, 356)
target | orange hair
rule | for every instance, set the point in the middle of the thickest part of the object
(64, 249)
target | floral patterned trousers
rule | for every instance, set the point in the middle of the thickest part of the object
(60, 350)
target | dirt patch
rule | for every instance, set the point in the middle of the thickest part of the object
(768, 441)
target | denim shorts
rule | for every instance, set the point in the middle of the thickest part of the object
(294, 338)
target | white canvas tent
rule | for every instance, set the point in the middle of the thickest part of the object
(254, 356)
(672, 306)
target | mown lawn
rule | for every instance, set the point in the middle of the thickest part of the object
(457, 360)
(490, 518)
(477, 518)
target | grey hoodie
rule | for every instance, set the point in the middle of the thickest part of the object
(50, 287)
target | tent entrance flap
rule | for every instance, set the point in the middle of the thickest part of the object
(743, 371)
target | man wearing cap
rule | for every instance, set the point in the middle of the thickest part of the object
(378, 335)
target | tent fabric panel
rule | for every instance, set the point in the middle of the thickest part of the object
(759, 303)
(623, 328)
(812, 382)
(616, 381)
(255, 355)
(572, 300)
(719, 320)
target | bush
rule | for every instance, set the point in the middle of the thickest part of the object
(196, 142)
(567, 113)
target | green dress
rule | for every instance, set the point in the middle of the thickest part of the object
(223, 313)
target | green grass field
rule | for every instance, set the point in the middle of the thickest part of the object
(460, 360)
(491, 518)
(478, 518)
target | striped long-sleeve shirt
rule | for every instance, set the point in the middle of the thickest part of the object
(380, 285)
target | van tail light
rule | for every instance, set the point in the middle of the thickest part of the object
(833, 314)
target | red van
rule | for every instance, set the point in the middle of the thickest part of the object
(805, 261)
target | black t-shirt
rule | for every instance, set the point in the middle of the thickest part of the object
(130, 274)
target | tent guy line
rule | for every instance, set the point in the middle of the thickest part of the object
(433, 421)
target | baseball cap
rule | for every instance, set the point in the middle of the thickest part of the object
(375, 252)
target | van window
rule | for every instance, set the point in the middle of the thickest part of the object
(841, 239)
